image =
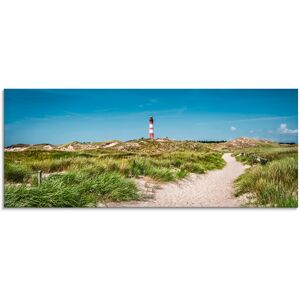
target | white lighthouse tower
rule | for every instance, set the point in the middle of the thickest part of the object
(151, 128)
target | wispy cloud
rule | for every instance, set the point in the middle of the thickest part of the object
(232, 128)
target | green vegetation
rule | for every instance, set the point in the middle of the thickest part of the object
(269, 152)
(72, 190)
(274, 184)
(82, 178)
(85, 176)
(16, 172)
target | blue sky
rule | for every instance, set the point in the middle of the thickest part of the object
(63, 115)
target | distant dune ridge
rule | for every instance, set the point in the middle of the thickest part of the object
(160, 143)
(247, 142)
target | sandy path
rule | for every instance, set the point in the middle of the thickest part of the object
(214, 189)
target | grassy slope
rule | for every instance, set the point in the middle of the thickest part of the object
(100, 175)
(72, 190)
(274, 184)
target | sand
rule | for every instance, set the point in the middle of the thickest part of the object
(213, 189)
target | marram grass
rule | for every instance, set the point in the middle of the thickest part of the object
(272, 185)
(72, 190)
(95, 176)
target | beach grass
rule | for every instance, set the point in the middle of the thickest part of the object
(274, 184)
(87, 177)
(72, 190)
(83, 178)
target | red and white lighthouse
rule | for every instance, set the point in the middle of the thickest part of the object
(151, 128)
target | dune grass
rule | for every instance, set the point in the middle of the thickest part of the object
(72, 190)
(16, 172)
(269, 152)
(93, 176)
(159, 166)
(273, 185)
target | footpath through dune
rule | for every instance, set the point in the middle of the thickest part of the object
(213, 189)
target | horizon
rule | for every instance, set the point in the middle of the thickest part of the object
(59, 116)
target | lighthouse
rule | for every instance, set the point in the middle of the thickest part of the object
(151, 128)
